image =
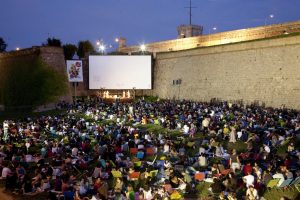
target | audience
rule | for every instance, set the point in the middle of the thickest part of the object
(99, 150)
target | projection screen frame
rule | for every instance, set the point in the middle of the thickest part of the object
(140, 77)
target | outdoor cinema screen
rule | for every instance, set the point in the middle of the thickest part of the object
(120, 72)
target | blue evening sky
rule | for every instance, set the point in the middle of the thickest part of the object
(26, 23)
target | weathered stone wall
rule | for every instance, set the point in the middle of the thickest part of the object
(266, 71)
(219, 38)
(52, 56)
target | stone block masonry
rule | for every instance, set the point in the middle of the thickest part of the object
(221, 38)
(265, 72)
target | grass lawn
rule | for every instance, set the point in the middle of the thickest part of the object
(275, 194)
(21, 115)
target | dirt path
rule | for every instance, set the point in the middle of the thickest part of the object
(4, 196)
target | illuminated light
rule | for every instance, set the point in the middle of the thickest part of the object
(143, 47)
(271, 16)
(102, 47)
(17, 49)
(214, 28)
(98, 43)
(117, 40)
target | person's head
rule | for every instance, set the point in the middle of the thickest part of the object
(251, 187)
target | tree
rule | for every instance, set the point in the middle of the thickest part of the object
(3, 45)
(84, 47)
(54, 42)
(69, 51)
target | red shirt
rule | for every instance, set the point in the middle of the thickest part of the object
(247, 169)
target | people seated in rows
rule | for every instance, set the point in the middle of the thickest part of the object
(78, 158)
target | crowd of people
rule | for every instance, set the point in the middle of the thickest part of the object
(105, 151)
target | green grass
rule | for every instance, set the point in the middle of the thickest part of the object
(8, 115)
(202, 190)
(239, 146)
(156, 129)
(275, 194)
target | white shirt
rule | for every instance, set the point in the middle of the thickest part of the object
(74, 151)
(239, 134)
(148, 195)
(249, 179)
(201, 150)
(267, 149)
(186, 129)
(205, 122)
(166, 148)
(5, 172)
(202, 161)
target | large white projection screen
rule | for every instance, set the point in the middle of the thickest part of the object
(120, 72)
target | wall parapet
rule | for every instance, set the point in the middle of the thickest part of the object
(35, 50)
(219, 38)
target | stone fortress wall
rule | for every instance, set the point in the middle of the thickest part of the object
(265, 72)
(228, 37)
(52, 56)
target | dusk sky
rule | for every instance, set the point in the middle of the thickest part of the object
(26, 23)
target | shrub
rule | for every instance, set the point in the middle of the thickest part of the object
(27, 85)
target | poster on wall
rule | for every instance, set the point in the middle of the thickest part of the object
(74, 70)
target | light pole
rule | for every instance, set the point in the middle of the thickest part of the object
(271, 16)
(213, 30)
(100, 46)
(117, 42)
(143, 48)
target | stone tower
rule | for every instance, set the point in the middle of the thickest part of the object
(190, 30)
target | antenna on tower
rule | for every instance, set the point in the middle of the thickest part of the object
(190, 13)
(189, 30)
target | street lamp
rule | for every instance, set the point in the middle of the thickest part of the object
(102, 48)
(271, 16)
(213, 30)
(143, 48)
(17, 49)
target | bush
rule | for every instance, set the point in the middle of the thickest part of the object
(27, 85)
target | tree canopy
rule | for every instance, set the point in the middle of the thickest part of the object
(3, 45)
(69, 51)
(53, 42)
(85, 47)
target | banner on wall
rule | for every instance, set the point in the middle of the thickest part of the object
(74, 70)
